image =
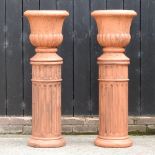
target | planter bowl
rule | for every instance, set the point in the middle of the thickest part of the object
(46, 27)
(113, 27)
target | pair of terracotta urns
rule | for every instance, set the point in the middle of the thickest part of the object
(46, 36)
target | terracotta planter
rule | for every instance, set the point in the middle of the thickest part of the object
(46, 36)
(113, 35)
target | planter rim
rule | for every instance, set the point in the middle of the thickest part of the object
(113, 13)
(46, 13)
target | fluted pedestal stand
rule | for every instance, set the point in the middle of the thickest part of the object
(46, 78)
(113, 34)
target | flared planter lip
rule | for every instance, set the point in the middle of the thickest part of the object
(46, 13)
(113, 13)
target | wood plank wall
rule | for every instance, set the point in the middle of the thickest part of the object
(80, 51)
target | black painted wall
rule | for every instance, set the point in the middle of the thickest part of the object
(79, 50)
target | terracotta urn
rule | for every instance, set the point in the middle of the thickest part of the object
(46, 36)
(113, 36)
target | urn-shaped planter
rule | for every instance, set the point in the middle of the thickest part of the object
(113, 36)
(46, 36)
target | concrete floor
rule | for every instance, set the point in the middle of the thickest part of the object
(76, 145)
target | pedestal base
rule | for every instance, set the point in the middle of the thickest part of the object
(46, 142)
(113, 143)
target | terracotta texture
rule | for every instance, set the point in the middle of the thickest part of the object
(46, 36)
(114, 36)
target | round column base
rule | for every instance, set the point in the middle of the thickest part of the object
(113, 143)
(46, 142)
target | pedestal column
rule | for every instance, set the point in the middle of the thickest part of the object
(113, 34)
(46, 36)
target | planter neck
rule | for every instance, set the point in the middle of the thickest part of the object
(46, 50)
(113, 50)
